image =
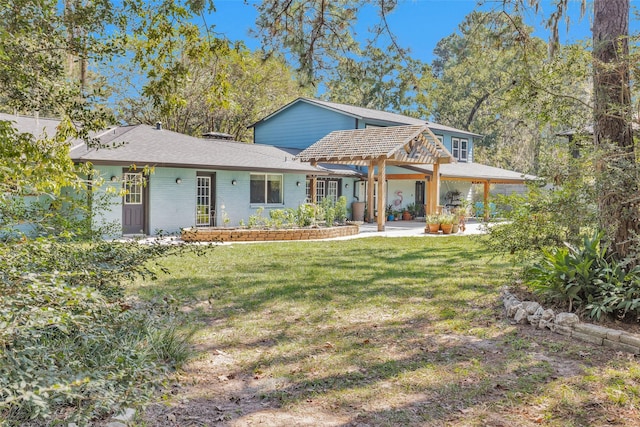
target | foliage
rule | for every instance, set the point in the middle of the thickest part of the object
(72, 348)
(381, 79)
(517, 100)
(225, 90)
(327, 211)
(543, 218)
(587, 278)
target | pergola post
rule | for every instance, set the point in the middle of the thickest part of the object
(486, 200)
(370, 184)
(381, 194)
(313, 186)
(436, 179)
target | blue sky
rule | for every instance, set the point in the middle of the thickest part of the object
(417, 24)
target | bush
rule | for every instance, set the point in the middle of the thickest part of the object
(586, 278)
(72, 348)
(541, 219)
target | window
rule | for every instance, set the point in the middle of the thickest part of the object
(133, 188)
(266, 188)
(332, 191)
(320, 190)
(463, 150)
(203, 201)
(459, 149)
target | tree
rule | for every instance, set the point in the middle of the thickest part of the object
(224, 92)
(379, 79)
(517, 99)
(618, 193)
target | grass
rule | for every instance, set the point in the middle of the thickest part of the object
(389, 331)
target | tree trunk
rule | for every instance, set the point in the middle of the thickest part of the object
(617, 169)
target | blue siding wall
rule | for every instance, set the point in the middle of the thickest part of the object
(107, 201)
(301, 125)
(171, 205)
(236, 198)
(447, 142)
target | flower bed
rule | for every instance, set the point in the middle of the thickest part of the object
(216, 234)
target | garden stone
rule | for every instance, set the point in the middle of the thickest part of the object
(520, 316)
(566, 319)
(116, 424)
(530, 306)
(126, 415)
(534, 319)
(542, 324)
(548, 315)
(511, 311)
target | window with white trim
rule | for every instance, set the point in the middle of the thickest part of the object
(203, 201)
(459, 149)
(266, 188)
(320, 190)
(332, 191)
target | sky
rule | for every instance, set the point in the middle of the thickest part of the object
(417, 24)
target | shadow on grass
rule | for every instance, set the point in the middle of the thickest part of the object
(383, 331)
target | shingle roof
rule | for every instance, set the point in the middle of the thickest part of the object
(368, 114)
(38, 127)
(143, 144)
(399, 144)
(476, 172)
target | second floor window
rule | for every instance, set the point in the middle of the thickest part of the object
(459, 149)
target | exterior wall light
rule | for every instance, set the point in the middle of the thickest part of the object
(234, 182)
(298, 184)
(114, 178)
(178, 180)
(346, 185)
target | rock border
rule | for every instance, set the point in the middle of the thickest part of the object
(568, 324)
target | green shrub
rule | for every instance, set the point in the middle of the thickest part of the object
(305, 215)
(541, 219)
(585, 278)
(341, 209)
(72, 348)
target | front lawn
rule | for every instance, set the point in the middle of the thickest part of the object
(376, 331)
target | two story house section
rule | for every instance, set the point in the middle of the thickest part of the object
(305, 121)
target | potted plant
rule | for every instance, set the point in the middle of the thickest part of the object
(412, 209)
(406, 215)
(433, 224)
(389, 213)
(446, 223)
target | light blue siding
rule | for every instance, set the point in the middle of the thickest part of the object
(301, 125)
(236, 198)
(107, 201)
(171, 205)
(446, 140)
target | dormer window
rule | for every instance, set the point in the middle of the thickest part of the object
(459, 149)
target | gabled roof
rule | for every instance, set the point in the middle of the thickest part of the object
(413, 144)
(146, 145)
(383, 118)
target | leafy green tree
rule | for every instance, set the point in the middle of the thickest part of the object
(227, 92)
(379, 79)
(517, 99)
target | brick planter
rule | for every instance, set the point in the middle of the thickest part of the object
(213, 234)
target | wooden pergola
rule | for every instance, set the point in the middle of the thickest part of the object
(378, 148)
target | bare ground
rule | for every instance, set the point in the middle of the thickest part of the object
(214, 390)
